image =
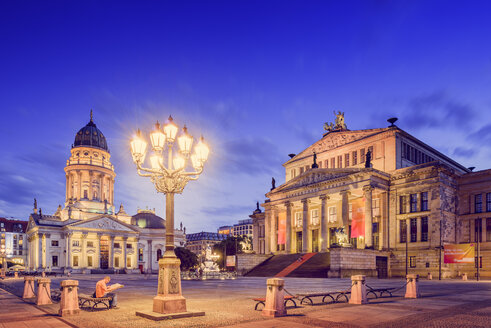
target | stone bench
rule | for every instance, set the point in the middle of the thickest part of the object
(88, 302)
(262, 300)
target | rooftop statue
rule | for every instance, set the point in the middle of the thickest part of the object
(338, 123)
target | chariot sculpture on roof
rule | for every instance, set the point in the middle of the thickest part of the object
(338, 123)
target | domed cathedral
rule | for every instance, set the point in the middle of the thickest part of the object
(88, 235)
(89, 175)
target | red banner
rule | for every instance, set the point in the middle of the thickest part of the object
(358, 218)
(459, 253)
(281, 228)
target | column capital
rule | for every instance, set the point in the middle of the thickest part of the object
(125, 238)
(46, 235)
(84, 235)
(288, 204)
(305, 201)
(68, 234)
(345, 192)
(368, 188)
(149, 241)
(324, 197)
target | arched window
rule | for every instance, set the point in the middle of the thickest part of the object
(159, 254)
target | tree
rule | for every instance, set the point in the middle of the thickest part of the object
(232, 245)
(188, 259)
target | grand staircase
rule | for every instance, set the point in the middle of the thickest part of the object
(312, 265)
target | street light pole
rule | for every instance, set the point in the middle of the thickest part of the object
(169, 179)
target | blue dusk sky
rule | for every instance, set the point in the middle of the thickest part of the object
(257, 78)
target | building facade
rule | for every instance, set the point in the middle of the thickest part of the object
(200, 241)
(87, 234)
(13, 240)
(378, 200)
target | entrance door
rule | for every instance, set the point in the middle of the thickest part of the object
(299, 241)
(104, 253)
(381, 262)
(315, 240)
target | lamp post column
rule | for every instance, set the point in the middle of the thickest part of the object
(169, 297)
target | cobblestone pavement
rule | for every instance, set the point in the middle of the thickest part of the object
(447, 303)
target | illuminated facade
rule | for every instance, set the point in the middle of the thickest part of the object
(366, 213)
(13, 240)
(87, 234)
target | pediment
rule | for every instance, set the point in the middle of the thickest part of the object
(316, 176)
(336, 139)
(103, 223)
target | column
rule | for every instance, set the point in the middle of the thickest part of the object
(67, 189)
(91, 190)
(483, 230)
(101, 187)
(111, 252)
(267, 230)
(83, 255)
(255, 237)
(97, 259)
(382, 224)
(345, 209)
(324, 229)
(46, 237)
(305, 226)
(40, 247)
(288, 242)
(368, 215)
(274, 229)
(68, 252)
(80, 185)
(125, 239)
(149, 261)
(111, 191)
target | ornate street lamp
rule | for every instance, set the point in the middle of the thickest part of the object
(169, 178)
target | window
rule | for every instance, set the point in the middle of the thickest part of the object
(402, 204)
(355, 157)
(488, 229)
(301, 170)
(128, 262)
(346, 160)
(424, 228)
(89, 261)
(370, 149)
(488, 202)
(129, 246)
(292, 173)
(90, 244)
(424, 201)
(140, 254)
(478, 203)
(75, 261)
(54, 261)
(333, 163)
(116, 262)
(20, 252)
(340, 161)
(402, 231)
(326, 164)
(76, 243)
(54, 243)
(362, 155)
(332, 214)
(320, 164)
(478, 230)
(375, 235)
(413, 201)
(85, 194)
(414, 230)
(376, 207)
(314, 214)
(412, 261)
(159, 254)
(298, 219)
(117, 245)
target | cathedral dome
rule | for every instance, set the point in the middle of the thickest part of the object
(90, 136)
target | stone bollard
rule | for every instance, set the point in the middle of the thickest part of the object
(29, 287)
(464, 276)
(44, 291)
(412, 288)
(69, 298)
(16, 274)
(358, 290)
(275, 298)
(430, 276)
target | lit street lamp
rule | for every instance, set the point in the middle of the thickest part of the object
(169, 178)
